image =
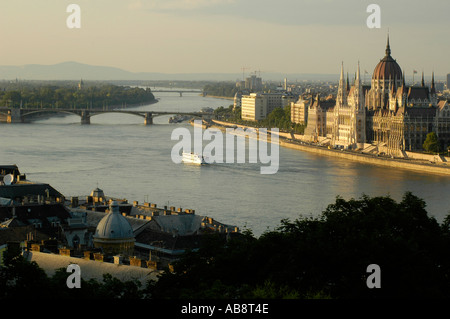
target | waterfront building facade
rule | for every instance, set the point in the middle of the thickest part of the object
(387, 114)
(320, 117)
(299, 110)
(253, 107)
(256, 106)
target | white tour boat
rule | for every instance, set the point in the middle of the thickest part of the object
(193, 158)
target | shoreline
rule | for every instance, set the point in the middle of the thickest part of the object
(220, 97)
(407, 164)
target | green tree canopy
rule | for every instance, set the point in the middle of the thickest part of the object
(311, 257)
(59, 96)
(431, 143)
(324, 257)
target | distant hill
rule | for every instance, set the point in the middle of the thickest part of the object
(63, 71)
(76, 71)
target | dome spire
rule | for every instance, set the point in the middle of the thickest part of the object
(388, 47)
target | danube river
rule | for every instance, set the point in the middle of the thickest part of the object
(127, 159)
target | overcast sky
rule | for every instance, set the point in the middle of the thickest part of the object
(197, 36)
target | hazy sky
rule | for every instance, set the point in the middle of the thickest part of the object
(196, 36)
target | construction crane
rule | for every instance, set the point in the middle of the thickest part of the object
(243, 72)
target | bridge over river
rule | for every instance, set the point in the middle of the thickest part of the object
(179, 91)
(23, 115)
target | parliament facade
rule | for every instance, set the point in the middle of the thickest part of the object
(387, 114)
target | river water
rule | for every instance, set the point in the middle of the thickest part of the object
(127, 159)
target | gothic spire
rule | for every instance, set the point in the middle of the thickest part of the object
(423, 81)
(358, 76)
(348, 84)
(403, 78)
(342, 73)
(358, 90)
(340, 98)
(388, 47)
(433, 89)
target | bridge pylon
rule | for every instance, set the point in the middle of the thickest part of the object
(148, 118)
(14, 116)
(85, 118)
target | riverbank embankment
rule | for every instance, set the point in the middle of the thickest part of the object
(286, 140)
(220, 97)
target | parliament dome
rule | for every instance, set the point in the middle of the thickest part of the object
(387, 69)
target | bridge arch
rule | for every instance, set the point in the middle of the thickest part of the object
(93, 113)
(193, 114)
(86, 114)
(50, 111)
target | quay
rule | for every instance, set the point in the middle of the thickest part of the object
(424, 163)
(21, 115)
(409, 164)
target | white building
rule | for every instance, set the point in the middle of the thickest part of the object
(253, 107)
(256, 106)
(299, 111)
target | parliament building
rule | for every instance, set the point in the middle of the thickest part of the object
(387, 114)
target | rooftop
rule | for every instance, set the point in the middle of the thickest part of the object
(20, 190)
(91, 269)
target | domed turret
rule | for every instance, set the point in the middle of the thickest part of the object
(98, 195)
(386, 76)
(388, 69)
(114, 233)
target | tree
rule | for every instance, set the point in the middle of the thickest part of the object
(11, 98)
(431, 143)
(326, 256)
(49, 96)
(221, 89)
(21, 279)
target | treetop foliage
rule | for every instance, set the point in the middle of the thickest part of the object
(326, 256)
(63, 95)
(432, 143)
(310, 257)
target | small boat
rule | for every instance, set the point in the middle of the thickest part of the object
(193, 158)
(178, 118)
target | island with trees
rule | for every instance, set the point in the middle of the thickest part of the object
(70, 94)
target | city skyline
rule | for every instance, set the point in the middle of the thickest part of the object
(222, 36)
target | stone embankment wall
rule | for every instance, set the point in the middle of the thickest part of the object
(370, 159)
(441, 167)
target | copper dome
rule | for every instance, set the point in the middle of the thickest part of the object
(387, 68)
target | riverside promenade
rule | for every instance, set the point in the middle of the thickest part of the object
(423, 166)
